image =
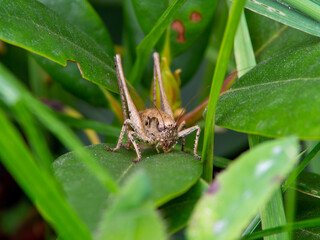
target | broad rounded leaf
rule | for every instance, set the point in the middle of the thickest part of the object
(33, 26)
(279, 97)
(236, 194)
(191, 20)
(170, 175)
(80, 14)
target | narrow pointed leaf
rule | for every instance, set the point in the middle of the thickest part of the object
(132, 215)
(285, 14)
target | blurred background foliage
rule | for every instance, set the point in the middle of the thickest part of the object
(95, 113)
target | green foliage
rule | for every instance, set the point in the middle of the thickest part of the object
(253, 104)
(133, 210)
(59, 54)
(287, 14)
(89, 198)
(223, 214)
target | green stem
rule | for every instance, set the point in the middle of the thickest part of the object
(144, 49)
(218, 77)
(292, 177)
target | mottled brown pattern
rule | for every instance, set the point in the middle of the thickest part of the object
(195, 16)
(178, 26)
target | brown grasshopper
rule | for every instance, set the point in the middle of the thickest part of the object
(151, 126)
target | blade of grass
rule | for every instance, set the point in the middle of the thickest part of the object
(89, 124)
(243, 49)
(218, 77)
(308, 7)
(34, 136)
(144, 49)
(66, 136)
(284, 228)
(272, 213)
(37, 184)
(292, 177)
(11, 91)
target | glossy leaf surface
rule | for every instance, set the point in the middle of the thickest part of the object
(236, 194)
(80, 14)
(170, 175)
(35, 27)
(279, 97)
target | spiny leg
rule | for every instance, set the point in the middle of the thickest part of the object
(186, 132)
(119, 143)
(137, 132)
(130, 136)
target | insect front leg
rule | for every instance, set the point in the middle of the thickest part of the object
(181, 127)
(119, 144)
(137, 132)
(185, 132)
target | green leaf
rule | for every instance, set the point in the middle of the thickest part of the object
(190, 60)
(285, 15)
(83, 16)
(190, 21)
(144, 49)
(33, 26)
(307, 222)
(303, 164)
(170, 175)
(217, 80)
(16, 157)
(132, 214)
(89, 124)
(307, 208)
(270, 37)
(236, 194)
(177, 212)
(12, 92)
(276, 98)
(272, 214)
(307, 183)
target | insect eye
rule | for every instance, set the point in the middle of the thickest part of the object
(147, 121)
